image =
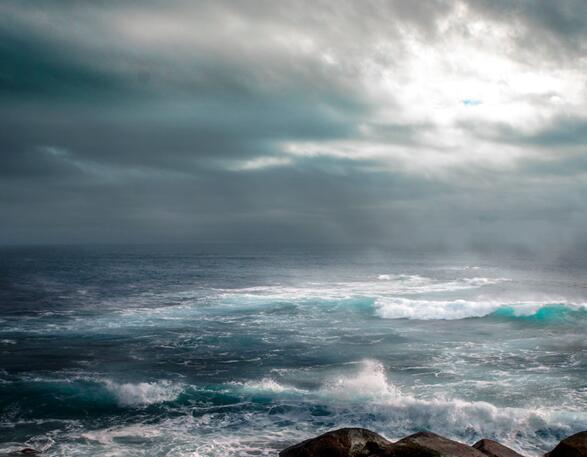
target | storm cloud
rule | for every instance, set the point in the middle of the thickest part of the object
(432, 124)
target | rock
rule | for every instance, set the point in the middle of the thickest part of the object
(359, 442)
(495, 449)
(573, 446)
(427, 444)
(29, 451)
(345, 442)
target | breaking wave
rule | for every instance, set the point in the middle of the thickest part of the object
(405, 308)
(64, 397)
(385, 285)
(143, 393)
(361, 396)
(366, 397)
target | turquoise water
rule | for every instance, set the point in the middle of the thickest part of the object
(235, 351)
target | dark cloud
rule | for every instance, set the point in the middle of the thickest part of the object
(542, 26)
(558, 133)
(291, 121)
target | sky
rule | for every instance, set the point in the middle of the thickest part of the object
(425, 124)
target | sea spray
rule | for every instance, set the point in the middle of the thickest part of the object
(133, 352)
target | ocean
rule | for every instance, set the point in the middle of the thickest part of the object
(226, 350)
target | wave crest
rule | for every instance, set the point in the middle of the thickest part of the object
(370, 383)
(405, 308)
(386, 285)
(143, 393)
(366, 397)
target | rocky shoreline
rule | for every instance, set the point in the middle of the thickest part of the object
(360, 442)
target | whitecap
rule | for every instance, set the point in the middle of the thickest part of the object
(367, 397)
(387, 285)
(406, 308)
(107, 436)
(143, 393)
(268, 385)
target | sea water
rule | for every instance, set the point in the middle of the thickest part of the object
(242, 351)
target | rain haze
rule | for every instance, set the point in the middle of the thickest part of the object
(262, 228)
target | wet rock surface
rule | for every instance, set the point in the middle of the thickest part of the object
(573, 446)
(345, 442)
(494, 449)
(360, 442)
(433, 445)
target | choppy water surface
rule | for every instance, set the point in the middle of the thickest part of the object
(220, 351)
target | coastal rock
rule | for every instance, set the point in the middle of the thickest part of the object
(345, 442)
(360, 442)
(573, 446)
(427, 444)
(494, 449)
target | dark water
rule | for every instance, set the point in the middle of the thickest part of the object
(226, 350)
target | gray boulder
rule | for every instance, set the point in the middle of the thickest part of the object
(428, 444)
(345, 442)
(494, 449)
(360, 442)
(573, 446)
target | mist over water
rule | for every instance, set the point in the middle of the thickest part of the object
(232, 350)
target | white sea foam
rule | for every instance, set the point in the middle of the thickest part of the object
(210, 435)
(398, 308)
(456, 417)
(386, 285)
(381, 288)
(268, 385)
(143, 393)
(363, 395)
(107, 436)
(367, 397)
(126, 394)
(406, 308)
(370, 383)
